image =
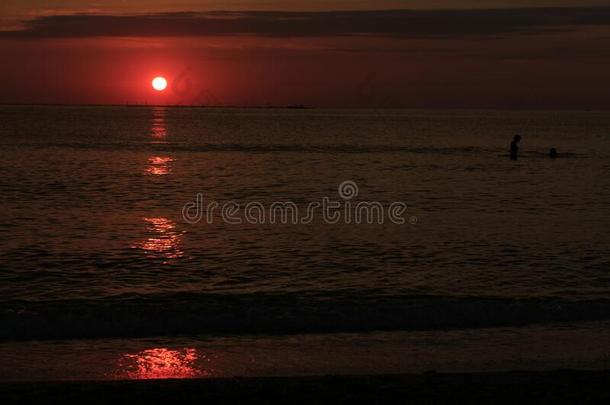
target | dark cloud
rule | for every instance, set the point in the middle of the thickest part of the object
(397, 23)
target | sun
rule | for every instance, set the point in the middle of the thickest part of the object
(159, 83)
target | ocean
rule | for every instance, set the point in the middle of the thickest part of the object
(492, 263)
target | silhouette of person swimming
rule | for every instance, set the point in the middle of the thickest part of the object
(553, 153)
(514, 147)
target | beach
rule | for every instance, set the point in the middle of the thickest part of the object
(551, 387)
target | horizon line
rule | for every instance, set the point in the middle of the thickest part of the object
(295, 107)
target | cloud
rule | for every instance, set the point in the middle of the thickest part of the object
(387, 23)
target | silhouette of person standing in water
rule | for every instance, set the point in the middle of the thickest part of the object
(514, 147)
(553, 153)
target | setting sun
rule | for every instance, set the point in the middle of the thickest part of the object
(159, 83)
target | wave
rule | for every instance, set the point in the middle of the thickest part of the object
(162, 147)
(188, 313)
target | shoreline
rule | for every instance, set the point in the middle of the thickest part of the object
(534, 348)
(561, 386)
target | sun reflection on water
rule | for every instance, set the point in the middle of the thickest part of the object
(159, 165)
(159, 126)
(165, 241)
(161, 363)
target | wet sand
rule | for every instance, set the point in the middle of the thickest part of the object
(506, 387)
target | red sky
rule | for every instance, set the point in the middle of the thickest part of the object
(481, 54)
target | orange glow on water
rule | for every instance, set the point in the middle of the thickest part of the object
(160, 363)
(159, 127)
(159, 165)
(165, 241)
